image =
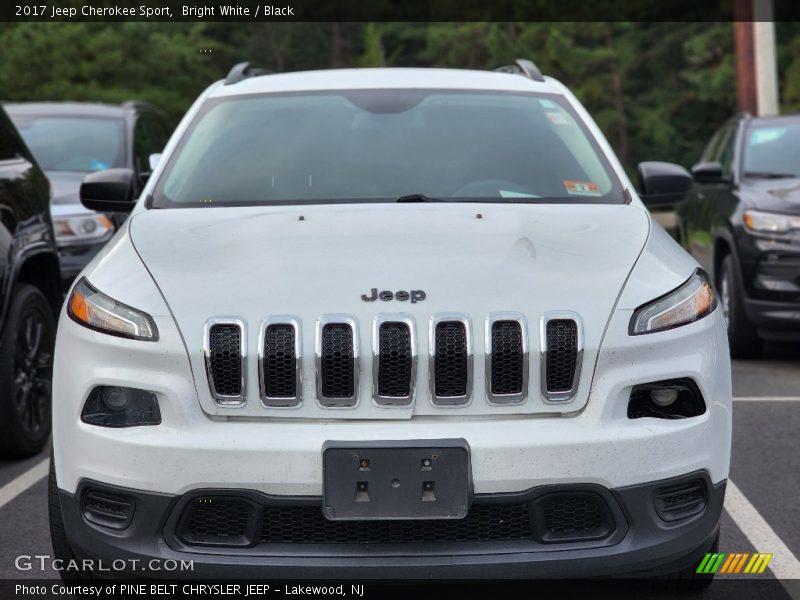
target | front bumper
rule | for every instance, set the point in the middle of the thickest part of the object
(640, 543)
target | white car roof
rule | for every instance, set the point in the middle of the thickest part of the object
(386, 78)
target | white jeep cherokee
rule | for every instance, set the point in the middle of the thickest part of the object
(391, 323)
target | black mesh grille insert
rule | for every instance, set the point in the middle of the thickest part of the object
(680, 501)
(450, 362)
(572, 516)
(336, 361)
(307, 525)
(218, 521)
(562, 354)
(226, 359)
(395, 361)
(507, 357)
(280, 372)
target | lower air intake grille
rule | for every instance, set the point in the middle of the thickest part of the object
(507, 357)
(680, 501)
(337, 371)
(225, 358)
(562, 354)
(280, 362)
(573, 516)
(394, 360)
(451, 359)
(218, 521)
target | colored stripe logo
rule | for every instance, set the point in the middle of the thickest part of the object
(734, 562)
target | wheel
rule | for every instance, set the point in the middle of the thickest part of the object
(742, 335)
(26, 373)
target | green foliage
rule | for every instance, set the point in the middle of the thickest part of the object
(658, 90)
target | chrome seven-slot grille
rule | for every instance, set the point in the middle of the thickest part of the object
(394, 359)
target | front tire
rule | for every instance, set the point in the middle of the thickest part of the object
(742, 335)
(26, 373)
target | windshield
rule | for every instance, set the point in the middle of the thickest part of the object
(773, 149)
(380, 145)
(66, 143)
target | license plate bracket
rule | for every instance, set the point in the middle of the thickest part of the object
(417, 479)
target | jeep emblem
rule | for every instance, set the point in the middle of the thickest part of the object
(401, 295)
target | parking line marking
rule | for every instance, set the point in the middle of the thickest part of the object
(784, 565)
(766, 398)
(22, 482)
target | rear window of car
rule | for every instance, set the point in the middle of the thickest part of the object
(380, 145)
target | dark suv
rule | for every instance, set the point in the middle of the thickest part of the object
(30, 297)
(743, 222)
(72, 139)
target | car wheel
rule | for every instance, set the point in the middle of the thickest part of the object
(26, 373)
(742, 335)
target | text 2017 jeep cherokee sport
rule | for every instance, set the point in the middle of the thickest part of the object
(391, 323)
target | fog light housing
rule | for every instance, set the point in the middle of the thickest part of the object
(112, 406)
(668, 399)
(107, 509)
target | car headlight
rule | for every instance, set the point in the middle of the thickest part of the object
(82, 229)
(97, 311)
(690, 302)
(767, 222)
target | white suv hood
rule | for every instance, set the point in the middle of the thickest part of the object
(307, 261)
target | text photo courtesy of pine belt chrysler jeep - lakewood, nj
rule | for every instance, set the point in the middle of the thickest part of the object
(395, 323)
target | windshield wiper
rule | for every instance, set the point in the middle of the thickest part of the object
(769, 175)
(419, 198)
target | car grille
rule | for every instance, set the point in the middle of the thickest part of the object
(552, 518)
(562, 354)
(450, 361)
(337, 365)
(394, 360)
(224, 359)
(279, 366)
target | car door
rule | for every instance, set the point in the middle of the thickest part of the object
(709, 205)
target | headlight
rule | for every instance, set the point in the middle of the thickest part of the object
(97, 311)
(82, 229)
(692, 301)
(767, 222)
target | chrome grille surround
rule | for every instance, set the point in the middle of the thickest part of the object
(222, 399)
(339, 401)
(523, 324)
(408, 320)
(464, 319)
(281, 401)
(567, 395)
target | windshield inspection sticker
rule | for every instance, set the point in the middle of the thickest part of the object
(582, 188)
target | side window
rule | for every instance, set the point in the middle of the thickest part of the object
(725, 155)
(710, 151)
(142, 146)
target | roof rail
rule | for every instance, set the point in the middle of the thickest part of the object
(523, 66)
(243, 70)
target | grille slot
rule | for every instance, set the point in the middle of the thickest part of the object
(451, 357)
(681, 501)
(575, 516)
(225, 360)
(506, 359)
(337, 355)
(395, 356)
(280, 363)
(218, 521)
(561, 358)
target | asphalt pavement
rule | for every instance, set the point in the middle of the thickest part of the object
(763, 516)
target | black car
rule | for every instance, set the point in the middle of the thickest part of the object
(742, 222)
(73, 139)
(30, 297)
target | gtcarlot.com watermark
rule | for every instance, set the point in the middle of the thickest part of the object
(45, 562)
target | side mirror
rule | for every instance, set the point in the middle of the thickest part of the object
(662, 183)
(708, 172)
(109, 191)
